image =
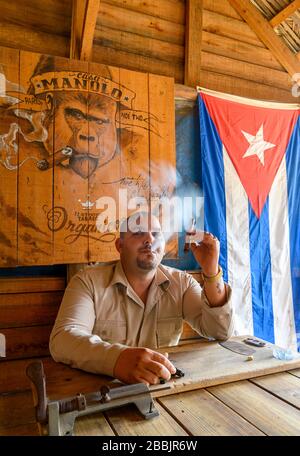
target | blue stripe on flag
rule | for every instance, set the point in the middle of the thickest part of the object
(293, 182)
(213, 182)
(261, 278)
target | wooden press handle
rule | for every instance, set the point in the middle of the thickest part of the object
(35, 373)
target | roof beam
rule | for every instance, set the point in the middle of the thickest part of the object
(84, 18)
(193, 42)
(266, 34)
(285, 13)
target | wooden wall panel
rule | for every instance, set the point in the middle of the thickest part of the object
(138, 44)
(137, 62)
(106, 181)
(70, 181)
(35, 240)
(29, 309)
(9, 158)
(26, 342)
(73, 149)
(244, 88)
(161, 96)
(132, 21)
(170, 10)
(36, 26)
(244, 52)
(149, 37)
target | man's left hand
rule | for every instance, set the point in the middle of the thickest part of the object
(207, 254)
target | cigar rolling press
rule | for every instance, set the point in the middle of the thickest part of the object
(59, 415)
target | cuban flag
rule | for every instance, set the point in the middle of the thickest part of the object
(251, 183)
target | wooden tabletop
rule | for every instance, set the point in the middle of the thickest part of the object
(221, 394)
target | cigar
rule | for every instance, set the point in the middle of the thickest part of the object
(189, 235)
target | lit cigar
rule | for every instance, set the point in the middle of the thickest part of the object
(188, 235)
(192, 236)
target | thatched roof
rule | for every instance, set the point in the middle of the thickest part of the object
(289, 28)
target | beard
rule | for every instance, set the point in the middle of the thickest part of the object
(147, 262)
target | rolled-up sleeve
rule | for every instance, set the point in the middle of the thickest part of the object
(210, 322)
(72, 341)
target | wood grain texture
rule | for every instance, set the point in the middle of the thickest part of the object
(208, 363)
(271, 415)
(245, 70)
(229, 27)
(137, 44)
(193, 42)
(9, 73)
(283, 385)
(70, 239)
(31, 284)
(137, 62)
(16, 409)
(29, 309)
(95, 424)
(84, 18)
(26, 342)
(129, 422)
(28, 39)
(239, 51)
(203, 414)
(133, 21)
(296, 372)
(224, 8)
(169, 10)
(62, 380)
(250, 89)
(35, 192)
(47, 16)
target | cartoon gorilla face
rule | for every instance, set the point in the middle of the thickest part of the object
(84, 124)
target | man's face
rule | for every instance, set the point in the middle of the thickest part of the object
(86, 125)
(143, 245)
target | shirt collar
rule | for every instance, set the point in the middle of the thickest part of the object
(120, 277)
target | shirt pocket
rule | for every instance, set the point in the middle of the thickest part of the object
(168, 331)
(112, 331)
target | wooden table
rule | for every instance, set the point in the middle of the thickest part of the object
(239, 400)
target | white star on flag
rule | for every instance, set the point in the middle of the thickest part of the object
(258, 145)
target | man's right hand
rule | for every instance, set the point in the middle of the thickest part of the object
(142, 365)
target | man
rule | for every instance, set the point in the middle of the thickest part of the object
(110, 313)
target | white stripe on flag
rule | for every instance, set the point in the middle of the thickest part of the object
(237, 224)
(284, 323)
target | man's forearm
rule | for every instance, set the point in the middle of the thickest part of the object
(215, 292)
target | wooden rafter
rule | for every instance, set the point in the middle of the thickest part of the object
(285, 13)
(193, 42)
(84, 19)
(266, 34)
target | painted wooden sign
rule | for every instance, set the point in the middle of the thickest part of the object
(79, 142)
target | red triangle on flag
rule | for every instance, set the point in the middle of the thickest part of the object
(255, 139)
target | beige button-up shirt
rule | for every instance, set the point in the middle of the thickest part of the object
(101, 315)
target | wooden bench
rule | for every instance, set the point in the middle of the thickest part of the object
(28, 308)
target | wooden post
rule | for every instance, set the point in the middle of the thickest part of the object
(285, 13)
(84, 18)
(193, 42)
(266, 34)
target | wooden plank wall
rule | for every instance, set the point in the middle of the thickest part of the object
(28, 308)
(149, 36)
